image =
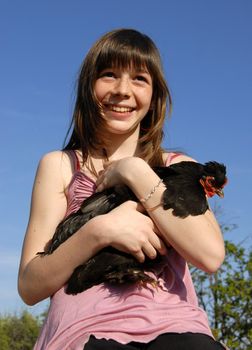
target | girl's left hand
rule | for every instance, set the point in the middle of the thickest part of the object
(111, 175)
(116, 172)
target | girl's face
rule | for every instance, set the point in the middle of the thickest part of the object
(125, 96)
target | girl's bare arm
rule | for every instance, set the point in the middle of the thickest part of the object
(39, 277)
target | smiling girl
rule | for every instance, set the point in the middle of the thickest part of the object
(115, 137)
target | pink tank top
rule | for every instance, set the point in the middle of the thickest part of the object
(124, 314)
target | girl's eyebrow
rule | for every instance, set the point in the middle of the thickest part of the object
(133, 69)
(141, 70)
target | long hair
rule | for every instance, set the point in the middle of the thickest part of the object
(122, 48)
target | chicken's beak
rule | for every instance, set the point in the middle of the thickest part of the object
(219, 192)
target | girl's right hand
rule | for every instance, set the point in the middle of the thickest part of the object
(127, 229)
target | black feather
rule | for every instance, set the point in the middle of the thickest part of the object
(184, 195)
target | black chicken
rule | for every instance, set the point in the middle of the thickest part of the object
(187, 185)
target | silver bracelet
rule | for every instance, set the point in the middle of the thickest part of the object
(144, 200)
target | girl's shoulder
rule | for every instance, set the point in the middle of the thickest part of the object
(58, 162)
(55, 160)
(52, 157)
(176, 157)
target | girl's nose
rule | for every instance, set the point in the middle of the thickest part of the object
(122, 87)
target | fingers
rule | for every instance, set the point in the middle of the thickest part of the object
(158, 244)
(150, 247)
(150, 250)
(139, 255)
(105, 179)
(141, 237)
(152, 244)
(146, 250)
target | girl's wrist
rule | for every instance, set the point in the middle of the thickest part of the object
(136, 167)
(95, 229)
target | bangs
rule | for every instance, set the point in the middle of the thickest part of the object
(137, 54)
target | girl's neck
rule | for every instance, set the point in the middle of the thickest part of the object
(120, 146)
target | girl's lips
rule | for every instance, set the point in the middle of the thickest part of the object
(119, 109)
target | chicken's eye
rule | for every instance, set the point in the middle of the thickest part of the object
(210, 180)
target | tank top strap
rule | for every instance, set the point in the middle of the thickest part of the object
(171, 156)
(75, 160)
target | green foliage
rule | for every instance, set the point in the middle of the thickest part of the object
(19, 332)
(226, 297)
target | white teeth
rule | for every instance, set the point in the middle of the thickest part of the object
(120, 109)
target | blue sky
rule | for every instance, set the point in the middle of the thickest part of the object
(207, 53)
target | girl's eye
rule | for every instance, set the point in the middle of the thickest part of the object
(108, 74)
(141, 78)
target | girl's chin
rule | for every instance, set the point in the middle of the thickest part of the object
(112, 115)
(121, 128)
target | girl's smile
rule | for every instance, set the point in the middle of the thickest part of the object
(117, 112)
(119, 108)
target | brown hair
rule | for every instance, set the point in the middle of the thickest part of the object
(119, 48)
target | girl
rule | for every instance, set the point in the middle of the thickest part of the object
(116, 138)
